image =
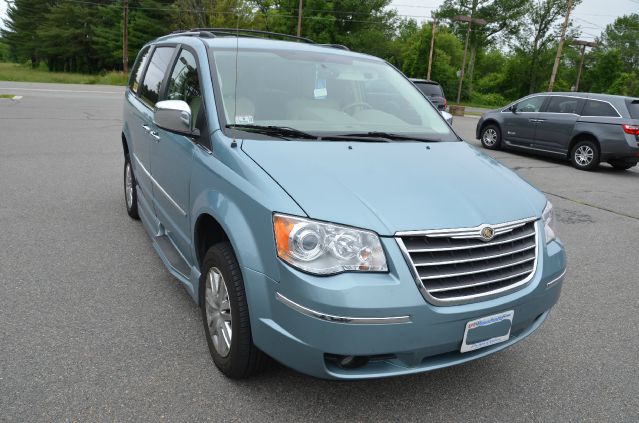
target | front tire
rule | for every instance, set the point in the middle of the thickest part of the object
(130, 190)
(491, 137)
(585, 155)
(225, 314)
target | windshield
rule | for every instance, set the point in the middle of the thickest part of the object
(322, 94)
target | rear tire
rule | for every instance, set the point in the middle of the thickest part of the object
(585, 155)
(130, 190)
(225, 315)
(621, 165)
(491, 137)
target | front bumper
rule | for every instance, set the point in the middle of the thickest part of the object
(422, 337)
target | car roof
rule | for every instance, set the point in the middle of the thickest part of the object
(257, 43)
(594, 96)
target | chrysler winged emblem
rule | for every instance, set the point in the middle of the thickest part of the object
(487, 233)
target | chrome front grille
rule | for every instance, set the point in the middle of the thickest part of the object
(456, 266)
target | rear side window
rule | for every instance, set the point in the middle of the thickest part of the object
(598, 108)
(150, 89)
(431, 89)
(633, 108)
(138, 67)
(559, 104)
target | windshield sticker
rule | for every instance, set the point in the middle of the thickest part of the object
(244, 119)
(320, 92)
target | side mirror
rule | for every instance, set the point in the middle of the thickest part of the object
(447, 116)
(174, 116)
(513, 108)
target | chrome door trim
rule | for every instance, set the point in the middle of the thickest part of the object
(166, 194)
(505, 110)
(341, 319)
(534, 148)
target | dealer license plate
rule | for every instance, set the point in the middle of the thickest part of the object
(487, 331)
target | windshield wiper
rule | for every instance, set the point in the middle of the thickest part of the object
(284, 132)
(384, 136)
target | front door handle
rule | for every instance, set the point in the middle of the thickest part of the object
(155, 135)
(147, 128)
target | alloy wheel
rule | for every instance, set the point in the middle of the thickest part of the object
(218, 311)
(128, 186)
(584, 155)
(490, 137)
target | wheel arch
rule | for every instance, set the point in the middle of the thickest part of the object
(125, 145)
(583, 136)
(490, 121)
(206, 232)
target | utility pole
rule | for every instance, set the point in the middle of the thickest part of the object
(470, 21)
(583, 45)
(125, 38)
(432, 46)
(555, 67)
(299, 18)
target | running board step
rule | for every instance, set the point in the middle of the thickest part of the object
(172, 255)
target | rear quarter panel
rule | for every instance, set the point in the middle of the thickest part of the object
(609, 133)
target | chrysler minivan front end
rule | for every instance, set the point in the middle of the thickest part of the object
(322, 212)
(410, 275)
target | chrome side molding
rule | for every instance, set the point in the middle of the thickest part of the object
(341, 319)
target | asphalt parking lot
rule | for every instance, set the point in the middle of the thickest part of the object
(93, 328)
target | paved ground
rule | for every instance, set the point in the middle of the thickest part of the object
(93, 328)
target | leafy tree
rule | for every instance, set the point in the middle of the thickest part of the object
(446, 57)
(623, 35)
(23, 18)
(4, 51)
(148, 19)
(504, 19)
(540, 20)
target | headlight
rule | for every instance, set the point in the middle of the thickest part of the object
(548, 217)
(325, 248)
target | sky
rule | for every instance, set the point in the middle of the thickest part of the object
(591, 15)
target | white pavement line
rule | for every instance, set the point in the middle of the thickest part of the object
(17, 97)
(66, 91)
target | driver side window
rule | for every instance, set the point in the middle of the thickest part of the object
(184, 85)
(531, 105)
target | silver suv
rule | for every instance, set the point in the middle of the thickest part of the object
(585, 128)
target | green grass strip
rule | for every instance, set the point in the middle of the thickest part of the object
(22, 73)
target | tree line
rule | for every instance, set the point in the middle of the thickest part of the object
(508, 57)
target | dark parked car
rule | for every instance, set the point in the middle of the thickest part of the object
(585, 128)
(433, 91)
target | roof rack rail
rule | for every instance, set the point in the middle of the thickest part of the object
(191, 33)
(339, 46)
(256, 33)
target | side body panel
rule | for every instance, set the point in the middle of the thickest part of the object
(519, 128)
(138, 118)
(554, 132)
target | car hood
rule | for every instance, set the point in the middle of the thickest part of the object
(398, 186)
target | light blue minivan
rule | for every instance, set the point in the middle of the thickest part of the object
(321, 212)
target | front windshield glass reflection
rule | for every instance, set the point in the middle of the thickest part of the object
(322, 93)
